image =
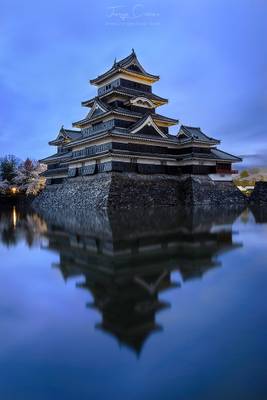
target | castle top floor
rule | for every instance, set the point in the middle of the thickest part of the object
(128, 73)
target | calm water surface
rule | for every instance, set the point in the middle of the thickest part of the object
(141, 305)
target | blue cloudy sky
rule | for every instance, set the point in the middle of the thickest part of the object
(211, 56)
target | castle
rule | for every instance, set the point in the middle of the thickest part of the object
(123, 133)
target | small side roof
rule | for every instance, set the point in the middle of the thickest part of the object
(55, 157)
(191, 133)
(66, 134)
(225, 156)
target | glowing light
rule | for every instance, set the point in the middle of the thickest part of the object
(14, 216)
(13, 190)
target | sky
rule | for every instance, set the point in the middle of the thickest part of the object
(211, 56)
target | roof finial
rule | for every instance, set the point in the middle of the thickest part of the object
(115, 61)
(62, 128)
(133, 51)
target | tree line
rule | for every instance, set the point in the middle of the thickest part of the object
(22, 176)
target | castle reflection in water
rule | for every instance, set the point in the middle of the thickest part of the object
(126, 259)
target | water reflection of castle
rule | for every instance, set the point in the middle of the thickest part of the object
(127, 260)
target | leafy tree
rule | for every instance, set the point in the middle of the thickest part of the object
(4, 186)
(8, 166)
(244, 174)
(28, 165)
(28, 178)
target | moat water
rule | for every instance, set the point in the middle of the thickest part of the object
(155, 304)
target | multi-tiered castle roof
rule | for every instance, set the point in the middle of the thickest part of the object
(124, 132)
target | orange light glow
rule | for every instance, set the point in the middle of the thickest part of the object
(14, 217)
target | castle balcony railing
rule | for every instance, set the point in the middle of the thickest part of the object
(226, 171)
(103, 126)
(92, 150)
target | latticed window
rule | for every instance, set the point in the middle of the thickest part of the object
(105, 167)
(72, 172)
(88, 169)
(90, 150)
(78, 153)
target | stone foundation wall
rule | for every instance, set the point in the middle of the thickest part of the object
(135, 190)
(202, 191)
(259, 194)
(82, 192)
(129, 190)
